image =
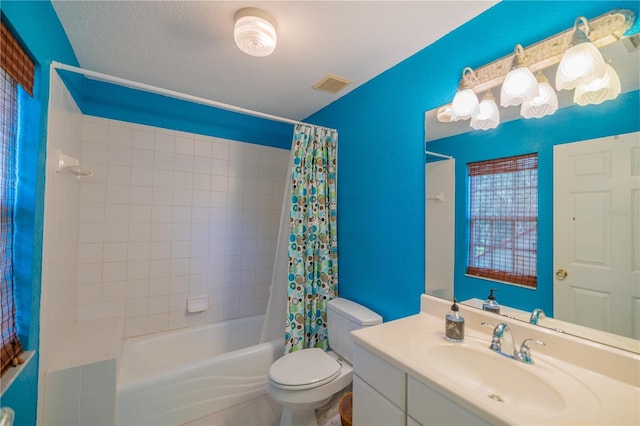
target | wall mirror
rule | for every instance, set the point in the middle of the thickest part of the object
(445, 176)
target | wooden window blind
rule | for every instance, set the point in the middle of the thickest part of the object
(503, 219)
(16, 68)
(15, 61)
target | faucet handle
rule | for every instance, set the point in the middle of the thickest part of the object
(524, 354)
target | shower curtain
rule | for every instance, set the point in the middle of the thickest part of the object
(312, 241)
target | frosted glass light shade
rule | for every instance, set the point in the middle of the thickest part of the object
(255, 32)
(519, 86)
(580, 64)
(546, 103)
(488, 116)
(599, 90)
(464, 105)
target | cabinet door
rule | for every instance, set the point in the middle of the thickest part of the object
(428, 407)
(387, 379)
(370, 408)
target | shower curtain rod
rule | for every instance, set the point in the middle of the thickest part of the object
(435, 154)
(174, 94)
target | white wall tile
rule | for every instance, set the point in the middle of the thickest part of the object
(143, 138)
(165, 141)
(64, 412)
(62, 384)
(174, 214)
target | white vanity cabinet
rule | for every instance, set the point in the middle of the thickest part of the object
(379, 391)
(385, 395)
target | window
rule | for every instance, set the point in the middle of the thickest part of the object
(503, 219)
(16, 69)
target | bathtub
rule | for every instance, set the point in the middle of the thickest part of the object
(177, 376)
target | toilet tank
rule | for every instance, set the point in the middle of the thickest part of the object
(344, 316)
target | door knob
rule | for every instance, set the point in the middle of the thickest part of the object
(561, 274)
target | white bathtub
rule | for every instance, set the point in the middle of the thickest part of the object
(177, 376)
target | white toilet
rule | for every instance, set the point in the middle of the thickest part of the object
(305, 380)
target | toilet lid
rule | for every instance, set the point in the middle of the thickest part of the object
(304, 367)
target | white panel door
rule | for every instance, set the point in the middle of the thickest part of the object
(597, 233)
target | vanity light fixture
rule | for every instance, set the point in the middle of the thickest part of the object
(488, 115)
(546, 103)
(582, 62)
(520, 84)
(465, 102)
(595, 82)
(255, 32)
(599, 90)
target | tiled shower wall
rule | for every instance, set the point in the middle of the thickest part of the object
(168, 215)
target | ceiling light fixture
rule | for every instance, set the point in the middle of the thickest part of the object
(255, 32)
(515, 72)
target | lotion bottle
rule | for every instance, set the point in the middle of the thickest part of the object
(454, 324)
(490, 304)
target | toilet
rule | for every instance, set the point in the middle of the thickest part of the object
(307, 379)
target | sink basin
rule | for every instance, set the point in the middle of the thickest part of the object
(497, 377)
(500, 384)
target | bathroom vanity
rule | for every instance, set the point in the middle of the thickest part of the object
(406, 373)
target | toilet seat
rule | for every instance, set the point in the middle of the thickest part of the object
(304, 369)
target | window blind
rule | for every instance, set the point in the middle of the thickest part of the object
(503, 219)
(16, 68)
(15, 61)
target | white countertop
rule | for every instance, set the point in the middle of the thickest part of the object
(610, 378)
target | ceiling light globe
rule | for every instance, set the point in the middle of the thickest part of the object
(464, 105)
(255, 32)
(599, 90)
(519, 86)
(546, 103)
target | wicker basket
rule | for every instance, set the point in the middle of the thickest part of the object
(345, 409)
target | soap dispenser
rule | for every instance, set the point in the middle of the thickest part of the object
(490, 304)
(454, 324)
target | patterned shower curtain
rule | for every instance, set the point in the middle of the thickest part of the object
(313, 237)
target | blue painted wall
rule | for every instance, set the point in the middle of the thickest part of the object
(36, 25)
(116, 102)
(381, 149)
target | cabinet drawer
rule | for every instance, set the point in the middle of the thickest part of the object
(379, 374)
(428, 407)
(370, 408)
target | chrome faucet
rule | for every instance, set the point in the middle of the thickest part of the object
(522, 355)
(536, 315)
(496, 340)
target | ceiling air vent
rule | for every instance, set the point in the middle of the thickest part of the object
(332, 84)
(632, 43)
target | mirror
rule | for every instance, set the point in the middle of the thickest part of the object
(445, 188)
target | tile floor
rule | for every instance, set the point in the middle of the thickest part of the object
(263, 411)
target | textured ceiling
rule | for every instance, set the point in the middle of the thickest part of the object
(188, 46)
